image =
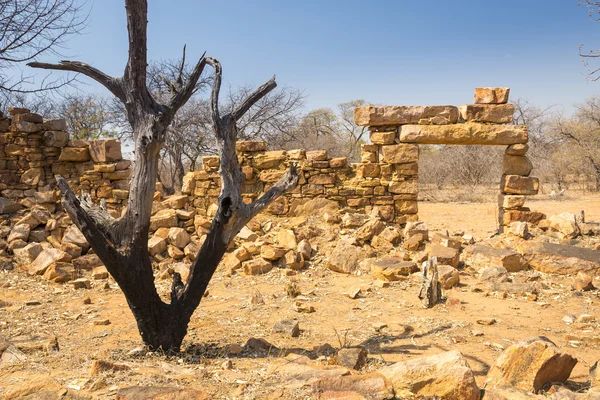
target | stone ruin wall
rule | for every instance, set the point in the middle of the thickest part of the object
(387, 176)
(33, 151)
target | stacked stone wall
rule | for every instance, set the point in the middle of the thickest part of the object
(387, 176)
(33, 151)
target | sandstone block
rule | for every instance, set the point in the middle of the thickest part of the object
(484, 256)
(8, 206)
(292, 260)
(55, 124)
(404, 187)
(26, 255)
(33, 176)
(75, 154)
(317, 155)
(467, 133)
(517, 149)
(178, 237)
(445, 376)
(493, 113)
(338, 162)
(257, 266)
(19, 232)
(56, 138)
(511, 201)
(45, 259)
(530, 364)
(268, 159)
(510, 216)
(491, 95)
(392, 268)
(321, 179)
(345, 257)
(60, 272)
(272, 253)
(448, 276)
(367, 170)
(515, 184)
(176, 201)
(105, 150)
(405, 206)
(445, 255)
(400, 153)
(383, 137)
(369, 386)
(250, 145)
(156, 245)
(87, 262)
(211, 163)
(516, 165)
(400, 115)
(559, 258)
(163, 219)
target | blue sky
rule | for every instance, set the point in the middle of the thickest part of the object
(386, 52)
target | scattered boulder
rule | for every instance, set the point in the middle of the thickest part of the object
(559, 258)
(445, 255)
(448, 276)
(392, 268)
(345, 256)
(530, 364)
(289, 327)
(482, 256)
(373, 386)
(162, 393)
(257, 266)
(352, 357)
(445, 375)
(296, 371)
(45, 259)
(287, 239)
(412, 228)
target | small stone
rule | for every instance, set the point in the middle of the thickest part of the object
(301, 307)
(353, 357)
(486, 321)
(289, 327)
(82, 283)
(101, 322)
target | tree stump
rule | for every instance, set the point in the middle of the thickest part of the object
(431, 289)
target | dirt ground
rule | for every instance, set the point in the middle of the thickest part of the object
(390, 322)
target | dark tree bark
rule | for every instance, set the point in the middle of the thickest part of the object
(122, 243)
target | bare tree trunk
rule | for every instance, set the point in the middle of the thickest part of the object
(122, 244)
(431, 289)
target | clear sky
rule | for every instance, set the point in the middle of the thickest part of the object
(386, 52)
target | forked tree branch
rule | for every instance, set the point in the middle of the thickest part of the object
(186, 91)
(214, 95)
(137, 63)
(114, 85)
(258, 94)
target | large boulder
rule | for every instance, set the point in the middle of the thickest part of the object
(446, 376)
(345, 257)
(559, 258)
(482, 256)
(530, 364)
(373, 386)
(45, 259)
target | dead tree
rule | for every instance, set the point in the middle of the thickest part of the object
(122, 244)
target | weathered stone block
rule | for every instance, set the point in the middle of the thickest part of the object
(517, 149)
(516, 165)
(404, 187)
(211, 163)
(105, 150)
(511, 201)
(399, 115)
(406, 207)
(515, 184)
(467, 133)
(383, 137)
(317, 155)
(338, 162)
(33, 176)
(77, 154)
(269, 159)
(494, 113)
(400, 153)
(559, 258)
(56, 138)
(250, 145)
(510, 216)
(367, 170)
(491, 95)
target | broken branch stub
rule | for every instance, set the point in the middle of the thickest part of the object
(431, 289)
